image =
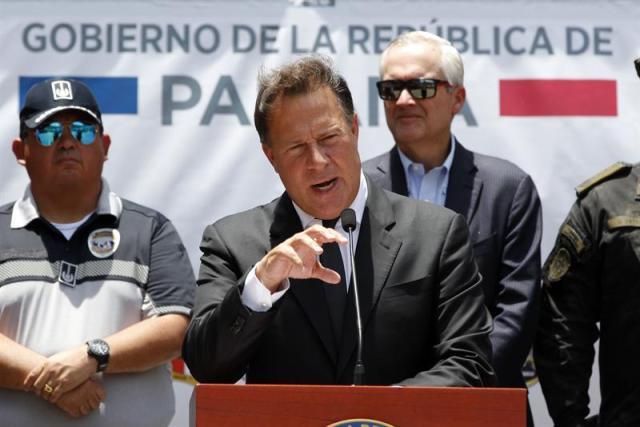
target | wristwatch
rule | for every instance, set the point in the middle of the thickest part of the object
(99, 350)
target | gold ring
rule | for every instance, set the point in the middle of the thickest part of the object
(47, 388)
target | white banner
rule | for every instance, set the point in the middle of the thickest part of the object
(550, 86)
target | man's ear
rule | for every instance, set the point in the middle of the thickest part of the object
(459, 95)
(355, 127)
(266, 149)
(17, 146)
(106, 143)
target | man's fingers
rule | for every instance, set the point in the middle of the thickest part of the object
(296, 253)
(102, 395)
(82, 400)
(56, 394)
(326, 275)
(49, 392)
(46, 382)
(306, 240)
(95, 402)
(291, 255)
(42, 386)
(323, 235)
(297, 257)
(31, 379)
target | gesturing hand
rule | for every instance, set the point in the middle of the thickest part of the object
(297, 258)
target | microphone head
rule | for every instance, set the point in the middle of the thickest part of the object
(348, 219)
(637, 62)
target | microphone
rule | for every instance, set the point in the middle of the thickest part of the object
(348, 220)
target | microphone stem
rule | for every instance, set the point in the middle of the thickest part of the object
(358, 372)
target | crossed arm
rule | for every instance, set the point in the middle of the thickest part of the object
(136, 348)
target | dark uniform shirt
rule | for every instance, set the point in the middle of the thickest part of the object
(591, 290)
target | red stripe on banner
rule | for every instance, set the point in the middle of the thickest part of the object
(558, 98)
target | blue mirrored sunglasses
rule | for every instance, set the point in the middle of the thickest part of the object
(48, 134)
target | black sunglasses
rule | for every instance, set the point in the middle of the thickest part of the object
(390, 90)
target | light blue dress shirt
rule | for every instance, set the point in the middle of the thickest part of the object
(428, 185)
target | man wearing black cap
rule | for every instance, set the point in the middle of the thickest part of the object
(90, 284)
(591, 292)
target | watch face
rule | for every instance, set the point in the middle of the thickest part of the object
(100, 348)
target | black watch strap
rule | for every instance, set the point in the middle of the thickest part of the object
(99, 350)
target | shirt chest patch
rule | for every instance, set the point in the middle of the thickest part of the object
(103, 242)
(68, 274)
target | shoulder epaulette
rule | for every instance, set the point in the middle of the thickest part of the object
(601, 176)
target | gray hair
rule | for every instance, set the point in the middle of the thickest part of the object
(299, 77)
(450, 59)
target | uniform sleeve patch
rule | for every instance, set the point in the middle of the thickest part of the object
(623, 221)
(574, 237)
(559, 265)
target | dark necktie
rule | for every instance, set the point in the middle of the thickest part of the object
(336, 294)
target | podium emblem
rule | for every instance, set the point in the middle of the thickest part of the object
(360, 422)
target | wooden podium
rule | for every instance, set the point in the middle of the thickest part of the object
(304, 405)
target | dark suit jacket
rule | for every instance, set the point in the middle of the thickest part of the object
(502, 208)
(423, 310)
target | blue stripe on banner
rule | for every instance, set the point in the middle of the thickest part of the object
(115, 95)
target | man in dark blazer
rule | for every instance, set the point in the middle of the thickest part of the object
(266, 301)
(422, 88)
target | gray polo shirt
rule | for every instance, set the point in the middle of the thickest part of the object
(124, 264)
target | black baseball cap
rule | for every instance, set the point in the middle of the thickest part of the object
(49, 97)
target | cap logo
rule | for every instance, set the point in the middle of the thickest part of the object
(61, 90)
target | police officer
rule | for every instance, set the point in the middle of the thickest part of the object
(591, 291)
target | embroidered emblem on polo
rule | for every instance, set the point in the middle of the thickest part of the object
(61, 90)
(68, 274)
(103, 242)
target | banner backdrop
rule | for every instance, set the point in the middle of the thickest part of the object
(550, 87)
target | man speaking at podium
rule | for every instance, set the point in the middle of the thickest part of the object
(272, 300)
